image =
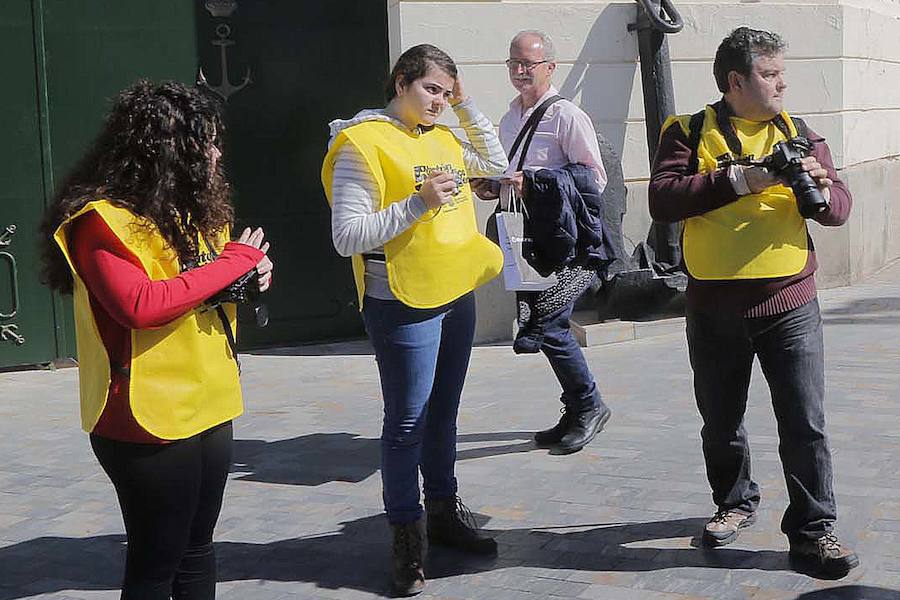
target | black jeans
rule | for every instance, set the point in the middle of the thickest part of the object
(170, 495)
(791, 353)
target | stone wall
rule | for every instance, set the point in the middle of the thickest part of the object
(843, 69)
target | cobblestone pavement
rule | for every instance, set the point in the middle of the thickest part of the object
(617, 521)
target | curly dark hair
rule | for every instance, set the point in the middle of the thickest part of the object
(739, 48)
(413, 64)
(154, 158)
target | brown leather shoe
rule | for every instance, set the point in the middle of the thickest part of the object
(408, 558)
(724, 526)
(825, 555)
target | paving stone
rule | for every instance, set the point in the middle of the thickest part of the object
(618, 521)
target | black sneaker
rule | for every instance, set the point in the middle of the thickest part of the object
(407, 558)
(551, 437)
(724, 527)
(825, 555)
(582, 428)
(450, 523)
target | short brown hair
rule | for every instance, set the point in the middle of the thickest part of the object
(414, 63)
(737, 51)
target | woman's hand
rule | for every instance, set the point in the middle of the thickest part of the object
(458, 94)
(265, 267)
(438, 189)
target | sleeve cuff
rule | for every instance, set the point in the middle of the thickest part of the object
(738, 181)
(415, 206)
(465, 111)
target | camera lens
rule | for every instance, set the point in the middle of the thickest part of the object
(810, 200)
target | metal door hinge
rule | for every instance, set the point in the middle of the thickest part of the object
(10, 331)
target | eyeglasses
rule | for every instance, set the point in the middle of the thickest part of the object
(513, 64)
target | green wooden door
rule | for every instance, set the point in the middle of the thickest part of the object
(309, 62)
(67, 60)
(27, 326)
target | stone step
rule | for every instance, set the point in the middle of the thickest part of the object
(590, 332)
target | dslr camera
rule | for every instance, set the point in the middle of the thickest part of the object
(785, 162)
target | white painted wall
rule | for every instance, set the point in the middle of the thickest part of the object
(843, 70)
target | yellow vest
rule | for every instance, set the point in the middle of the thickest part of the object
(183, 377)
(442, 256)
(758, 235)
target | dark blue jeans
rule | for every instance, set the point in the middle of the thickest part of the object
(567, 361)
(790, 350)
(423, 356)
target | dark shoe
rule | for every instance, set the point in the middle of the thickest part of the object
(825, 555)
(551, 437)
(450, 523)
(724, 527)
(407, 573)
(583, 426)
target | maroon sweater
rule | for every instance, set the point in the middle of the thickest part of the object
(677, 193)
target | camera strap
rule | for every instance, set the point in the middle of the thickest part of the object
(226, 324)
(229, 335)
(723, 121)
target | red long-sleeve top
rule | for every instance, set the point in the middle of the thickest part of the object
(677, 193)
(123, 297)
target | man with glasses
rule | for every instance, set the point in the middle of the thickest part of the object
(564, 135)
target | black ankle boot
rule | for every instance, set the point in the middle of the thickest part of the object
(450, 523)
(408, 558)
(551, 437)
(583, 426)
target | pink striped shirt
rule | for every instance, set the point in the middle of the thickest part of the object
(564, 135)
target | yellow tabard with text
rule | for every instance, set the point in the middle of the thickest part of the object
(758, 235)
(183, 377)
(442, 256)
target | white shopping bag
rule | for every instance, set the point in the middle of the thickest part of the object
(518, 275)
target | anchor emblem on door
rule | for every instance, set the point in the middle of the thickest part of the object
(225, 88)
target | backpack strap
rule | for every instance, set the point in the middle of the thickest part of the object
(801, 127)
(695, 128)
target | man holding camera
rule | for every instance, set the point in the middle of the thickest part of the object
(751, 289)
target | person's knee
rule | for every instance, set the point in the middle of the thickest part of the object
(402, 435)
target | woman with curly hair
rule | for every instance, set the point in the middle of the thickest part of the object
(139, 234)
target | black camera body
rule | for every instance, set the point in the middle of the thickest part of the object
(785, 162)
(243, 290)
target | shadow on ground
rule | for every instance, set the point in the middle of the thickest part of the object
(319, 458)
(852, 592)
(356, 557)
